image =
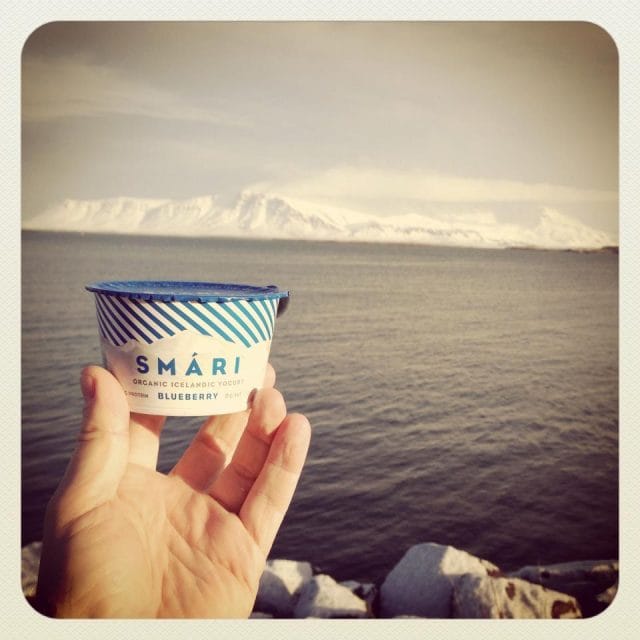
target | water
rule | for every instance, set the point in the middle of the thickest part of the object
(467, 397)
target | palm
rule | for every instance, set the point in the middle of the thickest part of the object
(188, 544)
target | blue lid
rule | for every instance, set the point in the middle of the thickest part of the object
(168, 291)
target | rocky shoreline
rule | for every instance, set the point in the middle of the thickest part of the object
(430, 581)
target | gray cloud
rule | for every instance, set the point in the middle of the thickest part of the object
(373, 183)
(69, 88)
(502, 112)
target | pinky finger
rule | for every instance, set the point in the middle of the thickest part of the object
(269, 497)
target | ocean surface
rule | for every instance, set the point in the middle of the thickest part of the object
(461, 396)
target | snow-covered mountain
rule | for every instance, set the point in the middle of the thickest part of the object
(261, 215)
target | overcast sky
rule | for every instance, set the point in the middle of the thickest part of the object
(426, 117)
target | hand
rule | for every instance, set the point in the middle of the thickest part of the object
(123, 540)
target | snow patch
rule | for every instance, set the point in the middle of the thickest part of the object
(271, 215)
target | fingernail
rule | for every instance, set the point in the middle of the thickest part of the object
(88, 386)
(251, 398)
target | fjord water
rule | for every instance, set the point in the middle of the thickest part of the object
(461, 396)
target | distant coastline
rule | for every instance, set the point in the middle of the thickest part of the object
(609, 249)
(614, 249)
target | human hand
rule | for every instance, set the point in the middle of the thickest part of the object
(122, 540)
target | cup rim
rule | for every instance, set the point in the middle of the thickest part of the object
(185, 290)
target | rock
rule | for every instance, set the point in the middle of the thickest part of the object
(323, 597)
(584, 580)
(352, 585)
(604, 572)
(606, 597)
(280, 585)
(421, 584)
(30, 565)
(476, 596)
(365, 590)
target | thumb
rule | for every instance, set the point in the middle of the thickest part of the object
(101, 456)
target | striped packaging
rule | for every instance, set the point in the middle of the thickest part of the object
(178, 356)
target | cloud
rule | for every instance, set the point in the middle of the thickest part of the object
(370, 183)
(73, 88)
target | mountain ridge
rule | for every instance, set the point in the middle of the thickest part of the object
(269, 215)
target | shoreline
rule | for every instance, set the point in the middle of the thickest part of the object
(430, 581)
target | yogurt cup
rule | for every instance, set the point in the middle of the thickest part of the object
(187, 348)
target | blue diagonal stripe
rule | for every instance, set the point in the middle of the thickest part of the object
(225, 322)
(175, 307)
(143, 308)
(113, 322)
(120, 304)
(242, 321)
(275, 303)
(208, 321)
(104, 332)
(268, 310)
(106, 301)
(100, 326)
(141, 320)
(162, 312)
(243, 307)
(227, 308)
(256, 308)
(269, 313)
(116, 305)
(112, 333)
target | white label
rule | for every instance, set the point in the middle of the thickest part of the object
(187, 374)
